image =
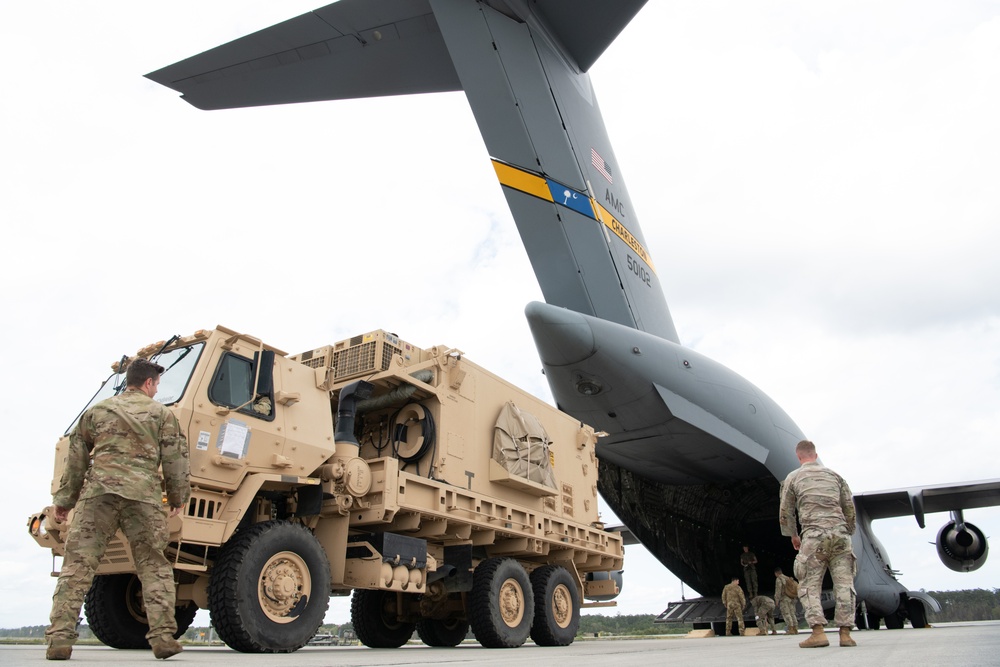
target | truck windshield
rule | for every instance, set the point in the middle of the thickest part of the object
(178, 366)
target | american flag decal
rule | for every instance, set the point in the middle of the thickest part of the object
(601, 165)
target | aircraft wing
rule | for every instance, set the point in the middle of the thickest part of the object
(328, 54)
(922, 500)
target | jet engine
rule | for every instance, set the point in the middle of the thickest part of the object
(961, 546)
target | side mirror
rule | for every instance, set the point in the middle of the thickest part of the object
(265, 372)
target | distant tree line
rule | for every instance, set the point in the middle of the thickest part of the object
(978, 604)
(970, 605)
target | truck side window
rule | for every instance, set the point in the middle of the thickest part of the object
(232, 386)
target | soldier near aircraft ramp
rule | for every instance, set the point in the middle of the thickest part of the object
(763, 608)
(732, 597)
(748, 560)
(119, 445)
(824, 505)
(785, 596)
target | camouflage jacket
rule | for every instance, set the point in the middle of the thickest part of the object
(779, 588)
(129, 437)
(748, 559)
(821, 499)
(762, 605)
(732, 596)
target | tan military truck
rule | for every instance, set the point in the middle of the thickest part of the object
(438, 493)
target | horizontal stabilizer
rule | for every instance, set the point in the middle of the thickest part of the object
(366, 48)
(350, 49)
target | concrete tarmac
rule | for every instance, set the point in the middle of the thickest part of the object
(949, 644)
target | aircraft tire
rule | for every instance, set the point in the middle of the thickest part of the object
(918, 613)
(249, 596)
(894, 621)
(501, 604)
(442, 632)
(115, 613)
(557, 606)
(374, 626)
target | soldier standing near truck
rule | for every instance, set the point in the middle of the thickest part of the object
(128, 438)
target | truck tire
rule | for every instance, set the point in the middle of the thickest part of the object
(375, 621)
(557, 606)
(442, 632)
(501, 603)
(116, 614)
(269, 588)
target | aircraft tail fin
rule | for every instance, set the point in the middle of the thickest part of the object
(523, 67)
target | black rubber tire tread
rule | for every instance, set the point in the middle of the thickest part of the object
(442, 632)
(483, 603)
(232, 589)
(918, 613)
(894, 621)
(371, 626)
(874, 621)
(544, 630)
(110, 620)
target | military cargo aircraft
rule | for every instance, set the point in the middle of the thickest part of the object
(694, 453)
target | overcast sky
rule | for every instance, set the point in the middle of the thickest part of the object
(816, 182)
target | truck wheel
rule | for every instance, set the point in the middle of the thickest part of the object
(501, 603)
(557, 606)
(117, 616)
(376, 624)
(442, 632)
(269, 588)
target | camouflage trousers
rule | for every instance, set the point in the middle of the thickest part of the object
(788, 613)
(737, 611)
(766, 621)
(819, 552)
(750, 577)
(95, 522)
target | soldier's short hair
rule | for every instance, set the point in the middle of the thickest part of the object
(141, 370)
(777, 570)
(805, 447)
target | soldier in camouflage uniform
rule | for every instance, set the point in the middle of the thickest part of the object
(732, 597)
(785, 603)
(763, 608)
(825, 508)
(748, 560)
(118, 448)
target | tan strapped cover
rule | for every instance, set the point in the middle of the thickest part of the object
(521, 445)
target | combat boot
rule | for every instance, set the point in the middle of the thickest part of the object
(816, 639)
(164, 648)
(58, 652)
(793, 630)
(845, 636)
